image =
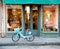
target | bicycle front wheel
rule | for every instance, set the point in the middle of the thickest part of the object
(15, 37)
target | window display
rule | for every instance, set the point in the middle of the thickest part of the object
(50, 18)
(14, 18)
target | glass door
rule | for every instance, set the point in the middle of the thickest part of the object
(35, 17)
(27, 16)
(31, 18)
(35, 20)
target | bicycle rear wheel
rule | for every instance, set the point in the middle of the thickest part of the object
(15, 37)
(30, 38)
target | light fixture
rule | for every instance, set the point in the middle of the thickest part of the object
(28, 9)
(46, 20)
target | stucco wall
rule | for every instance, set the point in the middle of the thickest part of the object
(0, 18)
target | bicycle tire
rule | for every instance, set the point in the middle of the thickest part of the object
(13, 37)
(30, 39)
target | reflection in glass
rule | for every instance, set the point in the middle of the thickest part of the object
(27, 17)
(50, 19)
(14, 18)
(35, 16)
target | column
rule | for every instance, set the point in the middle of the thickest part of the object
(3, 20)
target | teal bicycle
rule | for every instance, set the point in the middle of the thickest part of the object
(18, 34)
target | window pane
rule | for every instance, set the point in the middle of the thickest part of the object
(50, 18)
(14, 18)
(27, 17)
(35, 16)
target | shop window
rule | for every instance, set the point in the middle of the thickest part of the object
(50, 18)
(35, 16)
(14, 18)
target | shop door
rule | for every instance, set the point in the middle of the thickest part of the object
(31, 18)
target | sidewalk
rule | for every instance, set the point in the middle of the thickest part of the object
(38, 41)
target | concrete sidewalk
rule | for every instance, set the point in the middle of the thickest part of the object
(38, 41)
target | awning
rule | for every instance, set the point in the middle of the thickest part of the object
(31, 1)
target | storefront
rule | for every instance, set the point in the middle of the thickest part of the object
(42, 17)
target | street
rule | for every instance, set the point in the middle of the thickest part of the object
(31, 47)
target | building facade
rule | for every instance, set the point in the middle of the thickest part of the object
(0, 18)
(41, 17)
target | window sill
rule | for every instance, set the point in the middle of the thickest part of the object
(49, 32)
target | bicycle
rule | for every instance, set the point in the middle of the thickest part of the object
(18, 33)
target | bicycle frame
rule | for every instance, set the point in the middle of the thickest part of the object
(17, 30)
(18, 33)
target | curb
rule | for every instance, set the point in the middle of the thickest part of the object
(29, 44)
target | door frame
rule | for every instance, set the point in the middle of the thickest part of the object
(35, 32)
